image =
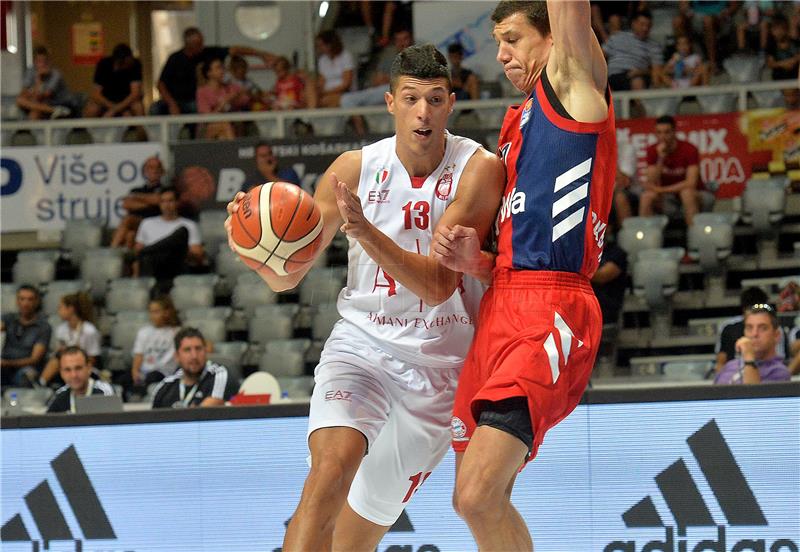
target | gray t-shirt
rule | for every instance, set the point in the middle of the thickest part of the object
(20, 338)
(626, 51)
(54, 83)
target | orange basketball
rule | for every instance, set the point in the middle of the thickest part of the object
(277, 227)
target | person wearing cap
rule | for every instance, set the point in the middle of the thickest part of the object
(757, 359)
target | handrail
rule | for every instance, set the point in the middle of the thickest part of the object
(170, 125)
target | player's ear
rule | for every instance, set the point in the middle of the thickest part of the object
(389, 98)
(452, 101)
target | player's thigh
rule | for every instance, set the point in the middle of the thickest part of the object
(336, 453)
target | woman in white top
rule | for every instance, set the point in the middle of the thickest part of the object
(154, 348)
(337, 70)
(77, 329)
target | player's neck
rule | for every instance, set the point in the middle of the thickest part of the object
(420, 165)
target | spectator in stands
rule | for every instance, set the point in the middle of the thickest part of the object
(610, 280)
(392, 15)
(625, 180)
(717, 17)
(794, 339)
(27, 339)
(336, 71)
(177, 84)
(465, 83)
(251, 97)
(290, 88)
(44, 93)
(217, 96)
(759, 360)
(76, 371)
(198, 381)
(77, 329)
(783, 52)
(791, 98)
(672, 170)
(635, 61)
(140, 203)
(166, 243)
(733, 329)
(754, 18)
(268, 169)
(154, 347)
(117, 90)
(685, 68)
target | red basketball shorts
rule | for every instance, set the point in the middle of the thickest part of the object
(537, 337)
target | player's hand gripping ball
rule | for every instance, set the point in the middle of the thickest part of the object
(277, 227)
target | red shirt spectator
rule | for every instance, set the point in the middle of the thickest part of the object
(676, 163)
(289, 93)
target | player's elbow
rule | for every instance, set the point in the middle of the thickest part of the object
(440, 294)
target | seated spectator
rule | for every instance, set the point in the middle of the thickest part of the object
(217, 96)
(117, 90)
(141, 202)
(610, 281)
(76, 371)
(154, 347)
(754, 18)
(251, 99)
(759, 360)
(716, 18)
(733, 329)
(27, 340)
(685, 68)
(794, 364)
(625, 181)
(336, 70)
(290, 88)
(44, 94)
(166, 243)
(268, 170)
(673, 169)
(635, 61)
(791, 98)
(609, 17)
(465, 83)
(198, 381)
(177, 84)
(783, 52)
(77, 330)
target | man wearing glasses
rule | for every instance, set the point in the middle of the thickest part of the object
(757, 359)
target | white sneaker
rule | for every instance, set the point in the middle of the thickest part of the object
(59, 112)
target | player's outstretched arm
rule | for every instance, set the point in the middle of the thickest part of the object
(347, 167)
(475, 204)
(577, 68)
(459, 249)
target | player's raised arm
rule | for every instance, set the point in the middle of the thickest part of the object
(577, 68)
(345, 168)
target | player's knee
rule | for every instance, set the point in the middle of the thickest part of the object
(477, 499)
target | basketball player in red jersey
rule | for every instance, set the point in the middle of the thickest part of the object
(384, 388)
(539, 325)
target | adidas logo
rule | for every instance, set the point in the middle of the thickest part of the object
(689, 508)
(48, 516)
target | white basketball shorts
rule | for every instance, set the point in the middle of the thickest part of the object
(402, 409)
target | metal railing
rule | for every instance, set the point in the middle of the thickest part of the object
(277, 124)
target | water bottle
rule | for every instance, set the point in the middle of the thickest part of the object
(284, 396)
(679, 69)
(12, 399)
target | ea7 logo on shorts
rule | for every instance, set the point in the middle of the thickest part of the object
(338, 395)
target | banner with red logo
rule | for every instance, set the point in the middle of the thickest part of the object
(724, 154)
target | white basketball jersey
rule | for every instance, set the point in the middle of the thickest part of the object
(390, 314)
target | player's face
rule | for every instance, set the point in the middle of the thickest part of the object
(75, 371)
(420, 108)
(191, 355)
(522, 50)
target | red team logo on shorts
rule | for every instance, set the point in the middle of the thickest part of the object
(458, 429)
(445, 183)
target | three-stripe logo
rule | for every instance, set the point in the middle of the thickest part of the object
(555, 357)
(47, 514)
(575, 186)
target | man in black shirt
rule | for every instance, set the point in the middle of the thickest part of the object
(198, 381)
(27, 339)
(76, 372)
(117, 90)
(609, 282)
(177, 84)
(141, 202)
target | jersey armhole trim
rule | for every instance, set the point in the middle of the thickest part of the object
(569, 124)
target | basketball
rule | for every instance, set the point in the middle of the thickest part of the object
(277, 227)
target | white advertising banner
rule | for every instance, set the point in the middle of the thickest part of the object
(43, 187)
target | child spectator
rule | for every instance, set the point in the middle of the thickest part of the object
(215, 96)
(289, 91)
(685, 68)
(251, 93)
(77, 329)
(153, 349)
(783, 52)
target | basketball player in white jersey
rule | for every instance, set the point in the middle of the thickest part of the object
(380, 412)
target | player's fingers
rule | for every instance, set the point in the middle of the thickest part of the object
(441, 250)
(463, 231)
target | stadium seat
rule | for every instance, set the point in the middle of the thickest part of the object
(211, 223)
(99, 266)
(194, 290)
(123, 334)
(639, 233)
(212, 329)
(127, 298)
(212, 313)
(140, 316)
(58, 289)
(687, 371)
(79, 236)
(764, 202)
(717, 103)
(251, 291)
(299, 387)
(285, 357)
(8, 298)
(231, 355)
(27, 397)
(271, 322)
(36, 272)
(768, 98)
(655, 274)
(38, 254)
(743, 68)
(322, 285)
(710, 238)
(656, 107)
(144, 282)
(229, 266)
(324, 319)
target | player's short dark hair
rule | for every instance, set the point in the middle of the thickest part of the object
(73, 350)
(752, 296)
(421, 61)
(121, 52)
(41, 51)
(535, 12)
(186, 333)
(666, 120)
(29, 287)
(763, 308)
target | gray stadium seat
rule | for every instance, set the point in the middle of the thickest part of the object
(27, 397)
(324, 318)
(743, 68)
(140, 316)
(196, 290)
(285, 357)
(212, 329)
(271, 322)
(144, 282)
(655, 274)
(656, 107)
(710, 238)
(99, 267)
(34, 271)
(640, 233)
(717, 103)
(764, 202)
(211, 224)
(322, 285)
(123, 334)
(79, 236)
(251, 291)
(127, 298)
(8, 298)
(38, 254)
(298, 387)
(58, 289)
(230, 354)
